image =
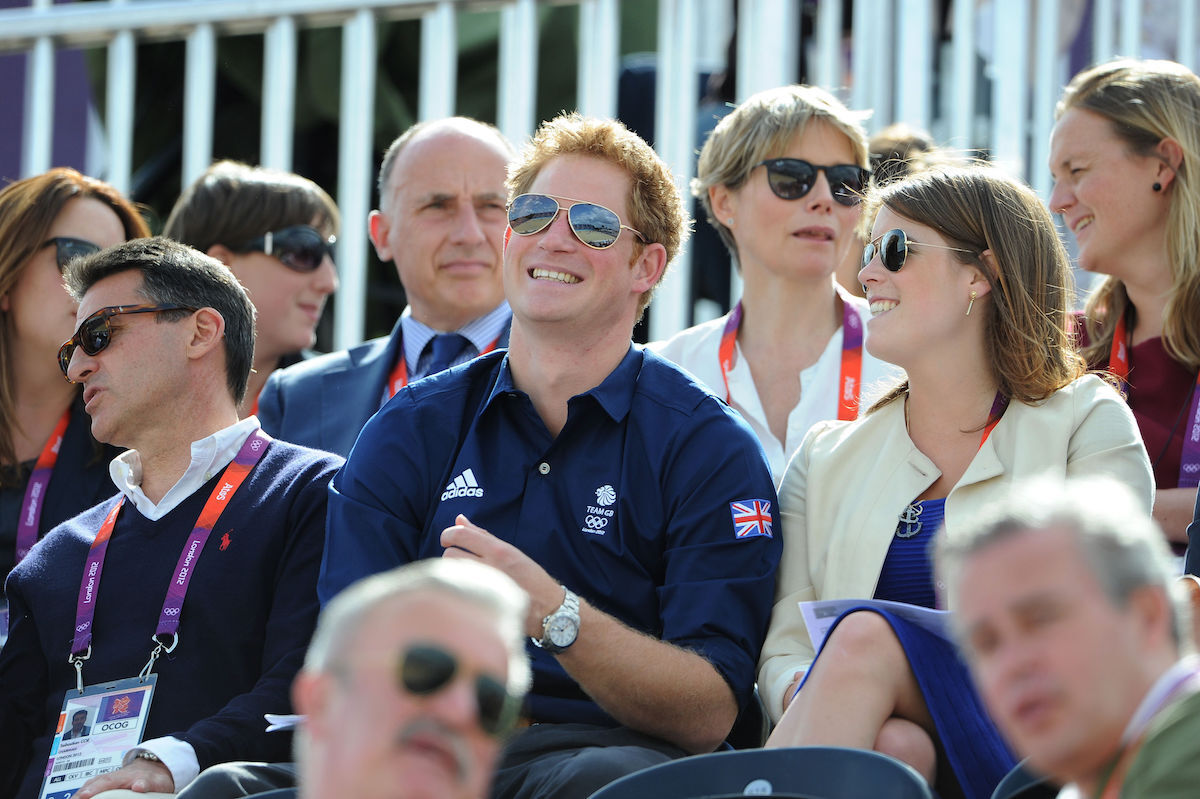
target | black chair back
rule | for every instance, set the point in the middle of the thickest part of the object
(811, 772)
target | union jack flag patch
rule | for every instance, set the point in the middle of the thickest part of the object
(751, 517)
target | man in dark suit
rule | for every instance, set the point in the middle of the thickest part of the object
(441, 220)
(79, 727)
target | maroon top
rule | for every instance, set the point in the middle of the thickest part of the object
(1160, 391)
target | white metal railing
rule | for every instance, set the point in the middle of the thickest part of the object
(893, 61)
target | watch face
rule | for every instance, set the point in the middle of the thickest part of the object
(561, 630)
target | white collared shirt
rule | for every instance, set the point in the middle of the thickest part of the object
(209, 456)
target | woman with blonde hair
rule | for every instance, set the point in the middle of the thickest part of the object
(781, 178)
(50, 467)
(968, 288)
(1122, 152)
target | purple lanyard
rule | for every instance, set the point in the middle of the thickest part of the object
(168, 620)
(35, 489)
(850, 380)
(1189, 458)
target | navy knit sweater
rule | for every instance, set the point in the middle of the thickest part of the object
(249, 613)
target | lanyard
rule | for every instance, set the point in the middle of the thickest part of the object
(850, 380)
(1189, 456)
(999, 406)
(168, 619)
(398, 379)
(35, 489)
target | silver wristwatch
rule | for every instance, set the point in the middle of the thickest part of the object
(560, 628)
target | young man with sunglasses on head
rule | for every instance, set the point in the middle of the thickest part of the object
(275, 231)
(441, 221)
(634, 507)
(195, 583)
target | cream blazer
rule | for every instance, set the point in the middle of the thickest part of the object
(844, 490)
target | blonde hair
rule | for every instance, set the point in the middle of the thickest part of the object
(979, 208)
(655, 205)
(1146, 102)
(762, 127)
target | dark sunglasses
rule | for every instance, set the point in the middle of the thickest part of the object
(893, 249)
(594, 225)
(67, 249)
(426, 669)
(95, 333)
(792, 178)
(300, 248)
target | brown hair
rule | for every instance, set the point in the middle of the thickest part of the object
(979, 208)
(232, 203)
(28, 209)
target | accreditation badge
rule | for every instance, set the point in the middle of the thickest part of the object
(95, 729)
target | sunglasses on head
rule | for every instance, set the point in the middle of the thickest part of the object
(426, 669)
(792, 178)
(892, 248)
(594, 225)
(67, 249)
(300, 248)
(95, 333)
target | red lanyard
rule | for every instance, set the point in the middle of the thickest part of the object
(398, 379)
(999, 406)
(1118, 358)
(1189, 456)
(35, 489)
(168, 620)
(850, 380)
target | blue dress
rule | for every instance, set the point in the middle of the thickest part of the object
(970, 743)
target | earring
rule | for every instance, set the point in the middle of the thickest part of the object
(729, 222)
(1157, 186)
(971, 304)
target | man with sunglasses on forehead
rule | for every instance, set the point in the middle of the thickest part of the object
(413, 681)
(441, 221)
(634, 507)
(178, 611)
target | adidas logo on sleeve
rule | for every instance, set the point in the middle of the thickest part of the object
(464, 485)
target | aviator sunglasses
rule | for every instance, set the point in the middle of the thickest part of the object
(300, 248)
(426, 669)
(792, 178)
(95, 333)
(67, 249)
(893, 249)
(594, 225)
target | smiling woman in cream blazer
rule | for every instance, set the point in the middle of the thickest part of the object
(968, 288)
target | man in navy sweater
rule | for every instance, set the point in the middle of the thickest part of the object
(201, 571)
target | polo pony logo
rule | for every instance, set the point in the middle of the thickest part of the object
(225, 542)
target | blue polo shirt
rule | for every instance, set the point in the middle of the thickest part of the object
(654, 503)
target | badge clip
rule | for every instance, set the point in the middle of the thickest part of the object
(77, 662)
(159, 648)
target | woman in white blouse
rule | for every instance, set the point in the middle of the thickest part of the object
(781, 178)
